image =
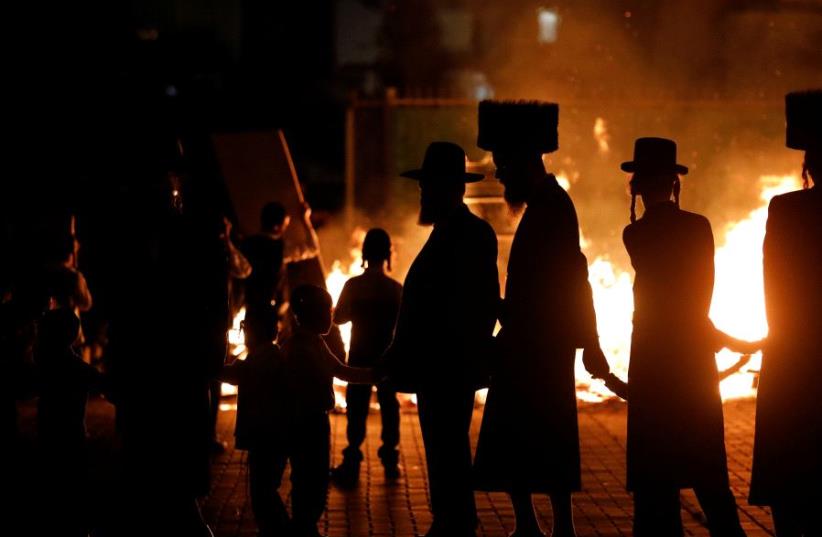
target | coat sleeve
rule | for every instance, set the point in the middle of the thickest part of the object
(487, 283)
(706, 266)
(342, 311)
(775, 269)
(586, 318)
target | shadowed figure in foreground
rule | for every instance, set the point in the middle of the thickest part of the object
(445, 325)
(370, 302)
(529, 441)
(65, 383)
(675, 423)
(787, 462)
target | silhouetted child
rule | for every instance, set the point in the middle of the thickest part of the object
(65, 383)
(262, 420)
(312, 368)
(370, 302)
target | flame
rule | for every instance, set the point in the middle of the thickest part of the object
(564, 182)
(738, 305)
(614, 304)
(237, 349)
(601, 136)
(334, 282)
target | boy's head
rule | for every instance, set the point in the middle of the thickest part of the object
(273, 218)
(376, 248)
(260, 329)
(58, 329)
(312, 308)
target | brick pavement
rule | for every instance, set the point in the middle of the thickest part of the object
(377, 508)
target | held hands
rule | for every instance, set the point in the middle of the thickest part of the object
(595, 362)
(746, 347)
(723, 340)
(597, 365)
(617, 385)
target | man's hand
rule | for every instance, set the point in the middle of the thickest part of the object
(595, 362)
(617, 385)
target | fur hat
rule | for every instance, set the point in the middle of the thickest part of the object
(530, 125)
(803, 114)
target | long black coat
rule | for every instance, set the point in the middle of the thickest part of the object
(788, 440)
(529, 436)
(675, 423)
(449, 306)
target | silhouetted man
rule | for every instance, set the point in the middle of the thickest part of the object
(370, 302)
(265, 252)
(787, 462)
(169, 316)
(675, 424)
(529, 441)
(447, 315)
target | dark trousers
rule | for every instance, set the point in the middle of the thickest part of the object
(657, 512)
(266, 464)
(358, 398)
(309, 455)
(307, 449)
(215, 392)
(445, 420)
(798, 516)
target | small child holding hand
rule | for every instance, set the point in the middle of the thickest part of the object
(312, 368)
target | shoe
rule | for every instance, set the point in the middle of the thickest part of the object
(392, 472)
(346, 475)
(218, 447)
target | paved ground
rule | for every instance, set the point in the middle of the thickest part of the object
(401, 509)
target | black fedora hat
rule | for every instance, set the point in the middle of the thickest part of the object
(444, 160)
(654, 155)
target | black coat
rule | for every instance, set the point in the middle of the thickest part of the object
(788, 440)
(529, 436)
(675, 423)
(449, 307)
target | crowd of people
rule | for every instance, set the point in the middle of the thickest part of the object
(435, 336)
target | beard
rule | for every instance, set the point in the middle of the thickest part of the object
(515, 201)
(428, 215)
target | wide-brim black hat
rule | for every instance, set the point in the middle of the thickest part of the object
(518, 125)
(803, 116)
(443, 160)
(654, 155)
